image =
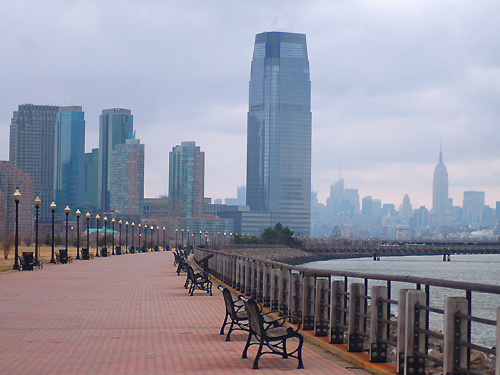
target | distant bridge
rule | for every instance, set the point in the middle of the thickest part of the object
(396, 248)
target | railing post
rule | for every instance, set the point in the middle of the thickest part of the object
(238, 274)
(337, 313)
(266, 280)
(454, 328)
(260, 283)
(400, 360)
(497, 354)
(248, 279)
(275, 295)
(294, 294)
(308, 302)
(378, 329)
(251, 270)
(414, 341)
(283, 291)
(356, 305)
(322, 308)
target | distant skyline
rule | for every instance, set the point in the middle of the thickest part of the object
(390, 81)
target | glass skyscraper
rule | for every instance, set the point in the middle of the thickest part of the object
(69, 163)
(186, 183)
(116, 125)
(279, 131)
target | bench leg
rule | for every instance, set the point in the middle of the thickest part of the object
(244, 355)
(257, 357)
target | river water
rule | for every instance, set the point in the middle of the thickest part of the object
(483, 269)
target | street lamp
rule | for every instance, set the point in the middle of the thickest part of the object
(67, 210)
(105, 235)
(145, 237)
(87, 215)
(78, 213)
(182, 236)
(164, 247)
(200, 239)
(139, 230)
(133, 225)
(152, 239)
(113, 241)
(126, 237)
(176, 243)
(17, 197)
(97, 217)
(38, 201)
(188, 239)
(53, 208)
(157, 242)
(120, 224)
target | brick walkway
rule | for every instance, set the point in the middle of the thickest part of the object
(126, 314)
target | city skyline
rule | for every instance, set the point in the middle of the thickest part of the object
(390, 82)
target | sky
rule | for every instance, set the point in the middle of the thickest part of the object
(391, 81)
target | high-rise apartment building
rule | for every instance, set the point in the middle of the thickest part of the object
(187, 180)
(69, 160)
(32, 142)
(279, 131)
(440, 192)
(115, 127)
(127, 179)
(12, 178)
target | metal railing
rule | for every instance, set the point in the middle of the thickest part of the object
(357, 314)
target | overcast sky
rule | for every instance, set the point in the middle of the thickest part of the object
(390, 80)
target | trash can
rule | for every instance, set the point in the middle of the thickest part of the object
(118, 250)
(63, 256)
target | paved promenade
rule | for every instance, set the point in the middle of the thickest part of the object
(125, 314)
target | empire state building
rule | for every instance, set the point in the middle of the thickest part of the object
(440, 191)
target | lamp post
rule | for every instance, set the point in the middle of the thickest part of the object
(38, 201)
(164, 247)
(105, 234)
(152, 239)
(53, 208)
(199, 239)
(145, 237)
(182, 236)
(17, 197)
(78, 213)
(139, 230)
(67, 210)
(188, 239)
(176, 243)
(126, 237)
(157, 242)
(218, 239)
(97, 217)
(87, 215)
(120, 224)
(113, 241)
(133, 225)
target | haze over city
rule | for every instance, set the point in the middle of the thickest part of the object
(391, 81)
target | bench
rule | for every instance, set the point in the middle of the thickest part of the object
(271, 334)
(27, 262)
(63, 257)
(200, 280)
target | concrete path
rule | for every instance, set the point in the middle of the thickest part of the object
(125, 314)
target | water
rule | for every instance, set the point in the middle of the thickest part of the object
(483, 269)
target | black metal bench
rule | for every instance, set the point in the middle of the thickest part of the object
(272, 334)
(200, 280)
(27, 262)
(236, 315)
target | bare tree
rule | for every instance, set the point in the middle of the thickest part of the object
(7, 243)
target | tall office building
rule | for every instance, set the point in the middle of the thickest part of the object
(32, 149)
(336, 197)
(12, 178)
(473, 205)
(69, 161)
(279, 131)
(440, 191)
(186, 182)
(127, 179)
(115, 127)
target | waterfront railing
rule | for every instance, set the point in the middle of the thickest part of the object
(336, 305)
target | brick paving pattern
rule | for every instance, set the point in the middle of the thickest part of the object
(125, 314)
